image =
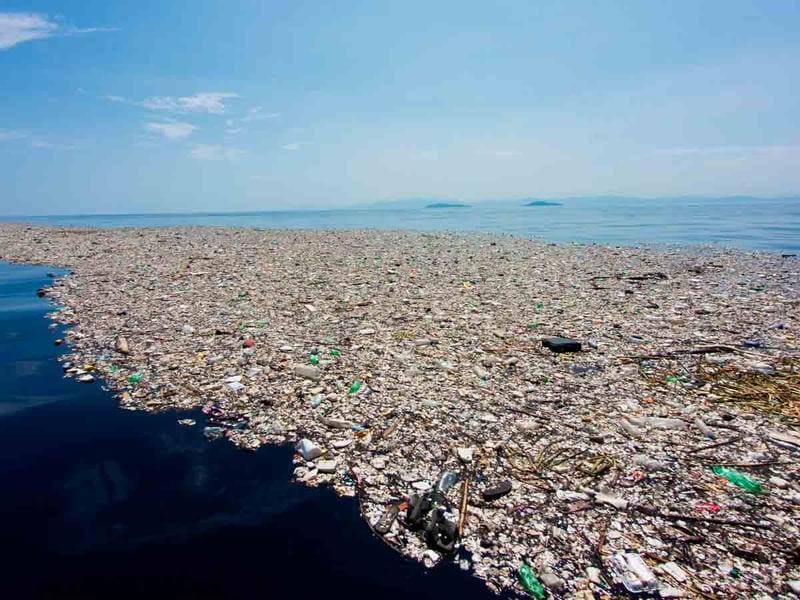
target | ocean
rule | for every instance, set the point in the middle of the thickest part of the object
(746, 223)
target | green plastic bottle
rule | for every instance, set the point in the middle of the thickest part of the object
(739, 479)
(335, 352)
(312, 358)
(356, 385)
(135, 377)
(528, 580)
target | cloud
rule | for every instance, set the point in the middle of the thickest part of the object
(171, 130)
(7, 134)
(16, 28)
(214, 152)
(730, 151)
(207, 102)
(291, 147)
(43, 144)
(501, 153)
(116, 98)
(255, 114)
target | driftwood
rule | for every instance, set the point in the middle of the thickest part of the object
(717, 445)
(462, 519)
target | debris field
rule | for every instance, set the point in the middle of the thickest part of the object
(575, 421)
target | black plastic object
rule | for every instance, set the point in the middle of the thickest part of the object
(384, 524)
(425, 512)
(418, 508)
(561, 344)
(498, 491)
(440, 534)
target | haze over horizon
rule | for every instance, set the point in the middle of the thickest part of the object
(211, 106)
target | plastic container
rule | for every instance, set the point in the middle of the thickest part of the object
(529, 582)
(308, 449)
(634, 574)
(738, 479)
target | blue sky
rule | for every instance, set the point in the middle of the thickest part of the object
(184, 106)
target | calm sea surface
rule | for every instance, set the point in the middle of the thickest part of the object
(99, 502)
(743, 223)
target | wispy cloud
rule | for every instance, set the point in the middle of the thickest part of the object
(730, 151)
(253, 114)
(292, 146)
(215, 152)
(17, 27)
(7, 134)
(172, 130)
(43, 144)
(207, 102)
(499, 153)
(256, 114)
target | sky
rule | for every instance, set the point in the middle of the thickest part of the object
(151, 106)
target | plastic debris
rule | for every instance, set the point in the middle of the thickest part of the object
(561, 344)
(530, 583)
(739, 479)
(634, 574)
(308, 449)
(576, 458)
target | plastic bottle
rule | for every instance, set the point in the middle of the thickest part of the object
(529, 582)
(636, 576)
(135, 377)
(312, 358)
(355, 386)
(738, 479)
(335, 352)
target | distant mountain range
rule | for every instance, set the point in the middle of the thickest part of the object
(423, 203)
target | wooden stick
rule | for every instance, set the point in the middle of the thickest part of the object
(717, 445)
(462, 519)
(392, 427)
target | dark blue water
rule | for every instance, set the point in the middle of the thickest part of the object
(98, 502)
(756, 224)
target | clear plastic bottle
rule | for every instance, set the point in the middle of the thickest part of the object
(634, 573)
